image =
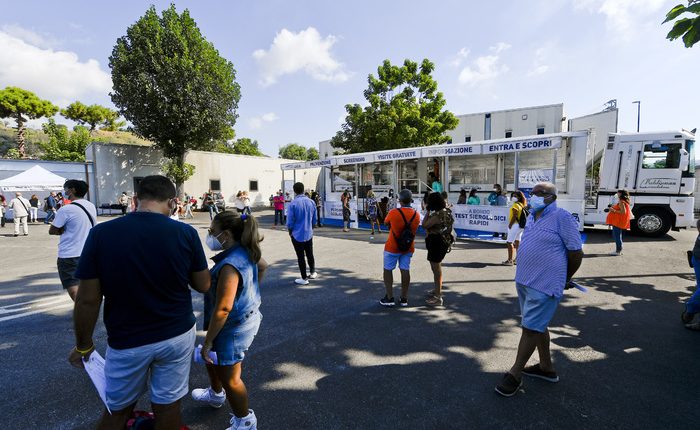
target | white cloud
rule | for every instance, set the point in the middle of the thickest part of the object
(538, 66)
(58, 76)
(303, 51)
(624, 17)
(485, 68)
(29, 36)
(258, 121)
(457, 60)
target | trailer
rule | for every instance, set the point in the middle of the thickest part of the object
(658, 170)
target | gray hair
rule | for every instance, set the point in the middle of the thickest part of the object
(550, 187)
(405, 196)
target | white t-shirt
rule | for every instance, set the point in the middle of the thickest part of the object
(77, 226)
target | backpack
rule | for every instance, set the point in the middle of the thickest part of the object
(446, 231)
(406, 237)
(522, 220)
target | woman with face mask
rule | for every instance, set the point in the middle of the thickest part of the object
(515, 231)
(231, 315)
(619, 216)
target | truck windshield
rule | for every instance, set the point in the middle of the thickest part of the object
(690, 147)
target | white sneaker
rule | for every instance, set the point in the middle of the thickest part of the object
(301, 281)
(249, 422)
(616, 253)
(208, 396)
(313, 275)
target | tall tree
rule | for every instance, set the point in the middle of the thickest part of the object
(173, 86)
(22, 105)
(405, 110)
(293, 151)
(688, 28)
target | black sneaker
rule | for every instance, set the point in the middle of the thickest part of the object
(534, 371)
(386, 301)
(403, 302)
(509, 386)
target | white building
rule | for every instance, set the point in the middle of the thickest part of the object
(119, 167)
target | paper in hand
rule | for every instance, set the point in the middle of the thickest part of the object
(95, 368)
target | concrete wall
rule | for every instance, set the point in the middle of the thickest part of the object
(116, 166)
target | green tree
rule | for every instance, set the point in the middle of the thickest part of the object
(293, 151)
(92, 115)
(688, 28)
(173, 86)
(312, 154)
(64, 145)
(22, 105)
(246, 146)
(405, 110)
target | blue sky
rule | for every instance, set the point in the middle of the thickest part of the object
(299, 62)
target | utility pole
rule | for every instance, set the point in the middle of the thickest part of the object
(639, 104)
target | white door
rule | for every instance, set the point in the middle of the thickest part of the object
(658, 169)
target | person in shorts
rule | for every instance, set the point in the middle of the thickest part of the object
(515, 232)
(231, 313)
(549, 256)
(437, 224)
(142, 265)
(72, 223)
(372, 210)
(397, 220)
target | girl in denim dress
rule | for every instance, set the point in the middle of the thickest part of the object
(231, 315)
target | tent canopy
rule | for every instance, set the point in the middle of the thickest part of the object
(34, 179)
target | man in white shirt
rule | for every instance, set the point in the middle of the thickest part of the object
(73, 223)
(20, 212)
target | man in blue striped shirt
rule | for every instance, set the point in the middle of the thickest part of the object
(301, 217)
(550, 253)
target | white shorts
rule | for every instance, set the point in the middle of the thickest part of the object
(514, 233)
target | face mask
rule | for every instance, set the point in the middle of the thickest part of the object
(213, 242)
(537, 203)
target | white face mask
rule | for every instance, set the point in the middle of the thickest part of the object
(213, 242)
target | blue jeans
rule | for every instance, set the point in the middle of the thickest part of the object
(693, 305)
(50, 215)
(617, 235)
(279, 215)
(213, 210)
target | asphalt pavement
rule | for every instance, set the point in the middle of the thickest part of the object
(329, 357)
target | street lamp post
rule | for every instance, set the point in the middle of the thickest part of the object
(639, 104)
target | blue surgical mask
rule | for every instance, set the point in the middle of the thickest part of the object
(213, 242)
(537, 203)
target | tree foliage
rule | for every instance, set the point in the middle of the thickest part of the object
(312, 154)
(242, 146)
(404, 110)
(92, 115)
(173, 86)
(293, 151)
(176, 172)
(64, 145)
(687, 28)
(22, 105)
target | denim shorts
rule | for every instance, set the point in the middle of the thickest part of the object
(404, 260)
(536, 308)
(165, 364)
(231, 345)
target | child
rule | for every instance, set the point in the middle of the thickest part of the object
(373, 211)
(231, 315)
(691, 313)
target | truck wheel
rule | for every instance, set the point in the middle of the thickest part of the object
(651, 223)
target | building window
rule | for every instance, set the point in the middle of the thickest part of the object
(343, 178)
(253, 185)
(467, 138)
(509, 133)
(661, 156)
(215, 184)
(540, 130)
(487, 127)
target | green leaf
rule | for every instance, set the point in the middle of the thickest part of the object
(674, 13)
(693, 35)
(679, 28)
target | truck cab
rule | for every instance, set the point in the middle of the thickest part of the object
(658, 170)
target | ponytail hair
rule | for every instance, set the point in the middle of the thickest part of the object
(244, 228)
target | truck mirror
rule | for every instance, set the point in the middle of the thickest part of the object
(684, 161)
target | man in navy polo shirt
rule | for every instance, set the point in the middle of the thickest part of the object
(142, 264)
(550, 253)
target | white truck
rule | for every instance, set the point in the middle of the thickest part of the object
(658, 170)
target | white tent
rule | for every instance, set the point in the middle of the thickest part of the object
(35, 179)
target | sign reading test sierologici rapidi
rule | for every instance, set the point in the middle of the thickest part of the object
(482, 218)
(522, 145)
